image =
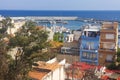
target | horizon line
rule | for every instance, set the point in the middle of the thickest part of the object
(52, 10)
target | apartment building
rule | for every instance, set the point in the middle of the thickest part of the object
(108, 42)
(89, 44)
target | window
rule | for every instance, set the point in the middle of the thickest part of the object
(93, 56)
(84, 54)
(109, 36)
(109, 45)
(109, 58)
(90, 45)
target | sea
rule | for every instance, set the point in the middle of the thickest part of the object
(98, 15)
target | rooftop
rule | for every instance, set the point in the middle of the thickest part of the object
(110, 25)
(91, 28)
(44, 65)
(42, 69)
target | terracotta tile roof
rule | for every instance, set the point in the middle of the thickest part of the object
(44, 68)
(78, 74)
(40, 27)
(105, 77)
(37, 75)
(48, 66)
(83, 66)
(118, 78)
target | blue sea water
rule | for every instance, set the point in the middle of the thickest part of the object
(104, 15)
(99, 15)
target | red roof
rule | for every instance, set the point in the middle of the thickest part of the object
(105, 77)
(118, 78)
(83, 66)
(112, 71)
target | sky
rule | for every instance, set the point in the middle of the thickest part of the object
(59, 4)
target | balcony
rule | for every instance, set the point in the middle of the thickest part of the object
(114, 31)
(111, 51)
(89, 60)
(89, 38)
(86, 50)
(89, 46)
(108, 40)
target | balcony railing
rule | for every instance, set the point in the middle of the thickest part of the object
(108, 40)
(108, 30)
(89, 48)
(89, 38)
(107, 50)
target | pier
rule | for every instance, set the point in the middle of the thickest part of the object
(51, 18)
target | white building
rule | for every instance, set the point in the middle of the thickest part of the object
(16, 26)
(1, 18)
(50, 34)
(51, 70)
(69, 38)
(77, 35)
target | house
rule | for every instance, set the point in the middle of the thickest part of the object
(50, 34)
(17, 24)
(77, 34)
(70, 47)
(69, 38)
(108, 42)
(89, 44)
(51, 70)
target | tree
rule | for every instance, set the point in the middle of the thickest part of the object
(5, 59)
(118, 55)
(5, 24)
(3, 62)
(116, 64)
(29, 42)
(58, 37)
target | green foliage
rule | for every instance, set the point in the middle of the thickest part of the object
(118, 55)
(58, 37)
(30, 42)
(3, 30)
(113, 66)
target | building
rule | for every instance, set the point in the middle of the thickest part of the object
(69, 38)
(70, 47)
(108, 42)
(89, 44)
(51, 70)
(50, 32)
(77, 34)
(17, 24)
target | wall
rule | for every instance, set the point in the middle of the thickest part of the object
(57, 74)
(89, 45)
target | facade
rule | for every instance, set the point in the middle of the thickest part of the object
(51, 70)
(69, 38)
(16, 26)
(45, 28)
(77, 35)
(70, 47)
(108, 42)
(89, 44)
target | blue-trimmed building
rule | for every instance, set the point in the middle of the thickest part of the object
(89, 44)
